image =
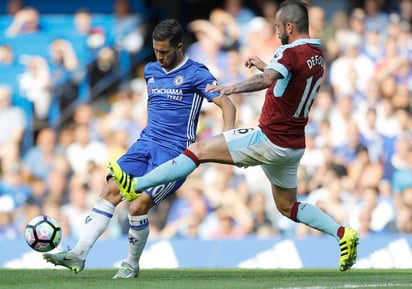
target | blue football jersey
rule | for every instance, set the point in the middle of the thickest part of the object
(174, 101)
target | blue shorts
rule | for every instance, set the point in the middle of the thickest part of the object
(142, 157)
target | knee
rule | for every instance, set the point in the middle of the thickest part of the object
(141, 205)
(289, 210)
(111, 193)
(286, 202)
(285, 210)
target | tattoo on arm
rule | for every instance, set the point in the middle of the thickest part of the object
(257, 82)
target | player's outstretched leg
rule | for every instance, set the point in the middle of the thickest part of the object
(127, 271)
(348, 249)
(67, 259)
(125, 181)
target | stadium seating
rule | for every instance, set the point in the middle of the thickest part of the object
(69, 7)
(57, 21)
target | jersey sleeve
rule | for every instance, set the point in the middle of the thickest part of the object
(146, 69)
(280, 61)
(202, 77)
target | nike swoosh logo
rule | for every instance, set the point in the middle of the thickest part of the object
(65, 259)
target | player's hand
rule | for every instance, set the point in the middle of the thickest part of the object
(211, 88)
(254, 61)
(223, 90)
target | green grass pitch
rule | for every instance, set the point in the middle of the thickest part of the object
(207, 279)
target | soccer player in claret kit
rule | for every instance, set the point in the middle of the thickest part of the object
(176, 88)
(277, 144)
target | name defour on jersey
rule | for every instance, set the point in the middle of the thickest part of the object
(315, 60)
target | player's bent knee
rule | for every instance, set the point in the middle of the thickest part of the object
(286, 210)
(141, 205)
(111, 193)
(285, 199)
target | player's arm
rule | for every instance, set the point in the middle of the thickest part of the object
(228, 111)
(254, 83)
(203, 78)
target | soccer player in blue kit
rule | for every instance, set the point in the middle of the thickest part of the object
(176, 88)
(277, 144)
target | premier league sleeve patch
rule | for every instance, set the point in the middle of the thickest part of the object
(278, 55)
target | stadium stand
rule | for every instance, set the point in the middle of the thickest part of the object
(57, 21)
(357, 139)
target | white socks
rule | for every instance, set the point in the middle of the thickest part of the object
(138, 235)
(96, 223)
(93, 227)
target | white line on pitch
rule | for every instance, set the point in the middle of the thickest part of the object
(348, 286)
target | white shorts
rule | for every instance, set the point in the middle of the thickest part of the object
(251, 147)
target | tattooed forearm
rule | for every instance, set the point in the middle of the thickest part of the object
(254, 83)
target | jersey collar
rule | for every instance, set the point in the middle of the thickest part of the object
(178, 66)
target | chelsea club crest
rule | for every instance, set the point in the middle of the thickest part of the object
(178, 80)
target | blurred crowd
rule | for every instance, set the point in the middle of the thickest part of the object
(357, 166)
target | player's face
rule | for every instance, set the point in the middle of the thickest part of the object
(167, 55)
(282, 34)
(281, 30)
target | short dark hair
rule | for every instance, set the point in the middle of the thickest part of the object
(169, 29)
(295, 11)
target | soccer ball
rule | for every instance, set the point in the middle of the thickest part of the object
(43, 233)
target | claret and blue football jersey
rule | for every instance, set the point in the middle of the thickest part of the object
(174, 101)
(288, 100)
